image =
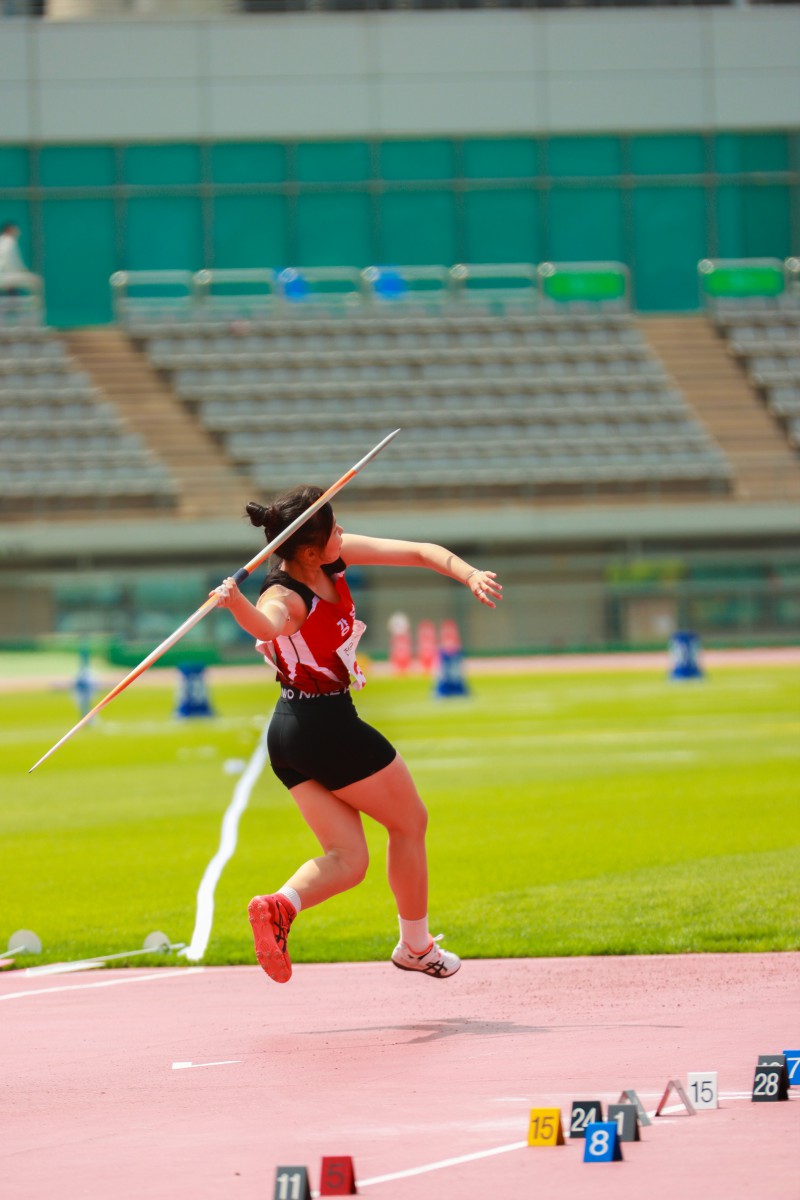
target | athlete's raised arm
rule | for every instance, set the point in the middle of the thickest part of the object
(360, 550)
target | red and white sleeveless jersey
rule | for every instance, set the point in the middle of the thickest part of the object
(321, 656)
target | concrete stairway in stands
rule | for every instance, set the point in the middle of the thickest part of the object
(713, 383)
(209, 485)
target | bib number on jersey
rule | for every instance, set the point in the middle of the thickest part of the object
(347, 653)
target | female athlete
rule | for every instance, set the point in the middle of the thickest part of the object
(334, 764)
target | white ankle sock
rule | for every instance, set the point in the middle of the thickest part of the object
(415, 934)
(292, 896)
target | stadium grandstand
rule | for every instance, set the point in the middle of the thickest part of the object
(557, 246)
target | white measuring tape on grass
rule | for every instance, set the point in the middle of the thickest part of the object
(204, 918)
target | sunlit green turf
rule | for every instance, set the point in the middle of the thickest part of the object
(591, 814)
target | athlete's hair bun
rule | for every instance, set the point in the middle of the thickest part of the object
(259, 516)
(286, 509)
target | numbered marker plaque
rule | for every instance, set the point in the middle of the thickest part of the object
(627, 1121)
(702, 1088)
(337, 1177)
(770, 1083)
(291, 1183)
(771, 1060)
(629, 1096)
(584, 1112)
(602, 1142)
(545, 1127)
(793, 1066)
(675, 1085)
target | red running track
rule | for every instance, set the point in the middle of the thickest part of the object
(426, 1083)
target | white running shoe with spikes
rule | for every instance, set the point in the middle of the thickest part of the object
(435, 961)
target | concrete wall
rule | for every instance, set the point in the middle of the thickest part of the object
(389, 74)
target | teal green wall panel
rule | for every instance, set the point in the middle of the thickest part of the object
(14, 167)
(156, 165)
(417, 160)
(501, 226)
(417, 227)
(668, 154)
(164, 233)
(754, 221)
(738, 153)
(584, 224)
(334, 230)
(669, 238)
(584, 156)
(404, 200)
(77, 166)
(500, 158)
(250, 231)
(248, 162)
(77, 233)
(333, 162)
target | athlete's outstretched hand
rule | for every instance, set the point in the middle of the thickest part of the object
(484, 587)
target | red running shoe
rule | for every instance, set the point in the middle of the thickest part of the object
(271, 918)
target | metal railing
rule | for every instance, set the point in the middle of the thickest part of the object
(606, 283)
(407, 283)
(509, 282)
(21, 299)
(224, 288)
(498, 287)
(163, 289)
(763, 282)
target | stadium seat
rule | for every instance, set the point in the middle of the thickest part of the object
(518, 399)
(59, 439)
(766, 341)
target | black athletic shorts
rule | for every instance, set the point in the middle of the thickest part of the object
(323, 738)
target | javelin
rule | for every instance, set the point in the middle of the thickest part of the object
(211, 602)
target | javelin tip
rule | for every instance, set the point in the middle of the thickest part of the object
(389, 438)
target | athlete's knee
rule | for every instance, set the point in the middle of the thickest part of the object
(410, 822)
(351, 862)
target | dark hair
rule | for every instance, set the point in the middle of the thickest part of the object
(8, 225)
(288, 506)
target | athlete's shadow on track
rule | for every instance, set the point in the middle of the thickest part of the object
(433, 1031)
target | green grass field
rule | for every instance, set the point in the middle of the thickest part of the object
(570, 814)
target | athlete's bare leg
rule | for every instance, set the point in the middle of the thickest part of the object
(338, 829)
(389, 797)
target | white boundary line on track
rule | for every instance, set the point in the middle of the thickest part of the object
(134, 977)
(511, 1146)
(230, 830)
(445, 1162)
(465, 1158)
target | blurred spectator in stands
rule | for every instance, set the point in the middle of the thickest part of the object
(13, 272)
